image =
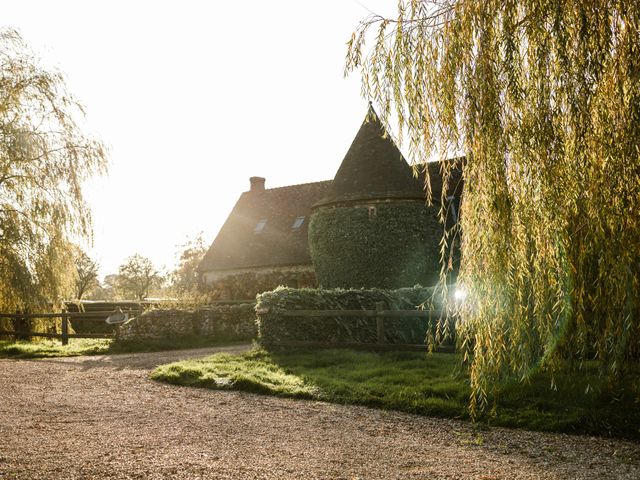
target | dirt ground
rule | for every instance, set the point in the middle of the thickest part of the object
(101, 417)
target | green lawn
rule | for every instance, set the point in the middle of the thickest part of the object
(81, 346)
(416, 383)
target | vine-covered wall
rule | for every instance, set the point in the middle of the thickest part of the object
(394, 246)
(246, 285)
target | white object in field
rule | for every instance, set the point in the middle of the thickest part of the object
(117, 317)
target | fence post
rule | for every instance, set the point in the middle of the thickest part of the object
(380, 322)
(21, 326)
(65, 330)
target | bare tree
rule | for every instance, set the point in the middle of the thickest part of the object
(86, 274)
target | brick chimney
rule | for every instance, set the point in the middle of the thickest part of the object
(257, 184)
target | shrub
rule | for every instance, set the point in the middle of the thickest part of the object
(275, 329)
(399, 247)
(242, 286)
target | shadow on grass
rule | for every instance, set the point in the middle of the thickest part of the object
(417, 383)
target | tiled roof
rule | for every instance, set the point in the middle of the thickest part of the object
(455, 182)
(239, 245)
(373, 168)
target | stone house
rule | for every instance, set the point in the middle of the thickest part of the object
(368, 227)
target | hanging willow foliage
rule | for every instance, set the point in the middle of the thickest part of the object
(44, 159)
(543, 98)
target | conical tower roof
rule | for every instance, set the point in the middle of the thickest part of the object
(373, 169)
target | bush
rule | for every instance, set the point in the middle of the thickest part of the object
(275, 329)
(247, 285)
(399, 247)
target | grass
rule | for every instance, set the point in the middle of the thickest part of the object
(416, 383)
(52, 348)
(81, 346)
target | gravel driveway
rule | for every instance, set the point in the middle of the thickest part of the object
(101, 417)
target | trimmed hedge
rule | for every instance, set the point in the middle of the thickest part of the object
(274, 329)
(398, 247)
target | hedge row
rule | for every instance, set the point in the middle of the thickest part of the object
(275, 329)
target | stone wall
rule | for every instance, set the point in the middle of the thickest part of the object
(220, 322)
(228, 322)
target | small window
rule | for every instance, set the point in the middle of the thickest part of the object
(260, 226)
(373, 213)
(297, 223)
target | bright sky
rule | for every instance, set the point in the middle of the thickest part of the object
(194, 97)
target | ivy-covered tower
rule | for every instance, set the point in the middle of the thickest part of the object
(373, 228)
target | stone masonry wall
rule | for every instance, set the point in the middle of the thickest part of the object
(220, 322)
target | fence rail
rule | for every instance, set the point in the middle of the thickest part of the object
(380, 314)
(84, 315)
(64, 335)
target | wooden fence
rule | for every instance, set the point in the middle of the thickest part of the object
(64, 334)
(380, 314)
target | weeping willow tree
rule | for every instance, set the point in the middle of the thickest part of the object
(44, 159)
(543, 99)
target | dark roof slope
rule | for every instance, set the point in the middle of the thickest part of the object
(454, 184)
(239, 246)
(373, 168)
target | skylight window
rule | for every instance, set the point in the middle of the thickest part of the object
(260, 226)
(297, 223)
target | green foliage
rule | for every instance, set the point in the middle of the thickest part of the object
(231, 372)
(398, 247)
(543, 98)
(245, 286)
(184, 280)
(136, 277)
(275, 329)
(417, 383)
(44, 160)
(81, 346)
(53, 348)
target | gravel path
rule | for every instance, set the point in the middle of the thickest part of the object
(101, 417)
